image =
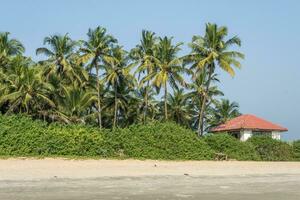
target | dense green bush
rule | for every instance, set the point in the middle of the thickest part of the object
(163, 141)
(21, 136)
(270, 149)
(233, 148)
(296, 149)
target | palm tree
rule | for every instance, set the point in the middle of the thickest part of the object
(168, 68)
(223, 111)
(119, 101)
(74, 104)
(59, 53)
(152, 104)
(212, 51)
(25, 91)
(97, 49)
(198, 92)
(9, 47)
(143, 53)
(117, 73)
(179, 107)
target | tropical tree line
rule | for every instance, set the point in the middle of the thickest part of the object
(97, 82)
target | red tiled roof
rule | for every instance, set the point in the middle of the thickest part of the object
(248, 122)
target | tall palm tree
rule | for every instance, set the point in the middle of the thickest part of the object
(152, 104)
(168, 68)
(25, 91)
(117, 73)
(223, 111)
(179, 107)
(9, 47)
(198, 92)
(74, 104)
(118, 100)
(61, 49)
(143, 53)
(97, 49)
(211, 51)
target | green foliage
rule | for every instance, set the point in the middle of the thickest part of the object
(296, 149)
(233, 148)
(163, 141)
(21, 136)
(97, 81)
(270, 149)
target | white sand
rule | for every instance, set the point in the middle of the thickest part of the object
(36, 169)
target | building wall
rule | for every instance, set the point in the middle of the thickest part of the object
(245, 135)
(276, 135)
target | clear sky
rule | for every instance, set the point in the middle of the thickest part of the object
(268, 84)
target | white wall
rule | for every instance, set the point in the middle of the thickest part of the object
(245, 135)
(276, 135)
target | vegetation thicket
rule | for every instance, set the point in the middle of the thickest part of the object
(22, 136)
(270, 149)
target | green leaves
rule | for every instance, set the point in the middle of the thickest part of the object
(96, 81)
(270, 149)
(9, 47)
(21, 136)
(233, 148)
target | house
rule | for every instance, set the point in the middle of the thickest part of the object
(245, 126)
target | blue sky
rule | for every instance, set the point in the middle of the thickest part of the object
(267, 85)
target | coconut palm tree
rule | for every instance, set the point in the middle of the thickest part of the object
(121, 104)
(117, 74)
(59, 53)
(9, 47)
(179, 107)
(74, 104)
(198, 92)
(25, 91)
(152, 104)
(223, 111)
(96, 49)
(211, 51)
(168, 66)
(143, 53)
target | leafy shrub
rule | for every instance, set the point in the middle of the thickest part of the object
(296, 149)
(270, 149)
(21, 136)
(162, 141)
(232, 147)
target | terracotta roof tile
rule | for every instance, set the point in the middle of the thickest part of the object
(248, 122)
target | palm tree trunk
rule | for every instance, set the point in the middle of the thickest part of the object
(203, 106)
(99, 100)
(166, 106)
(146, 103)
(199, 119)
(115, 109)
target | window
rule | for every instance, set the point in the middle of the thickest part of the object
(236, 134)
(262, 133)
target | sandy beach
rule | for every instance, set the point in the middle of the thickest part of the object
(48, 179)
(36, 169)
